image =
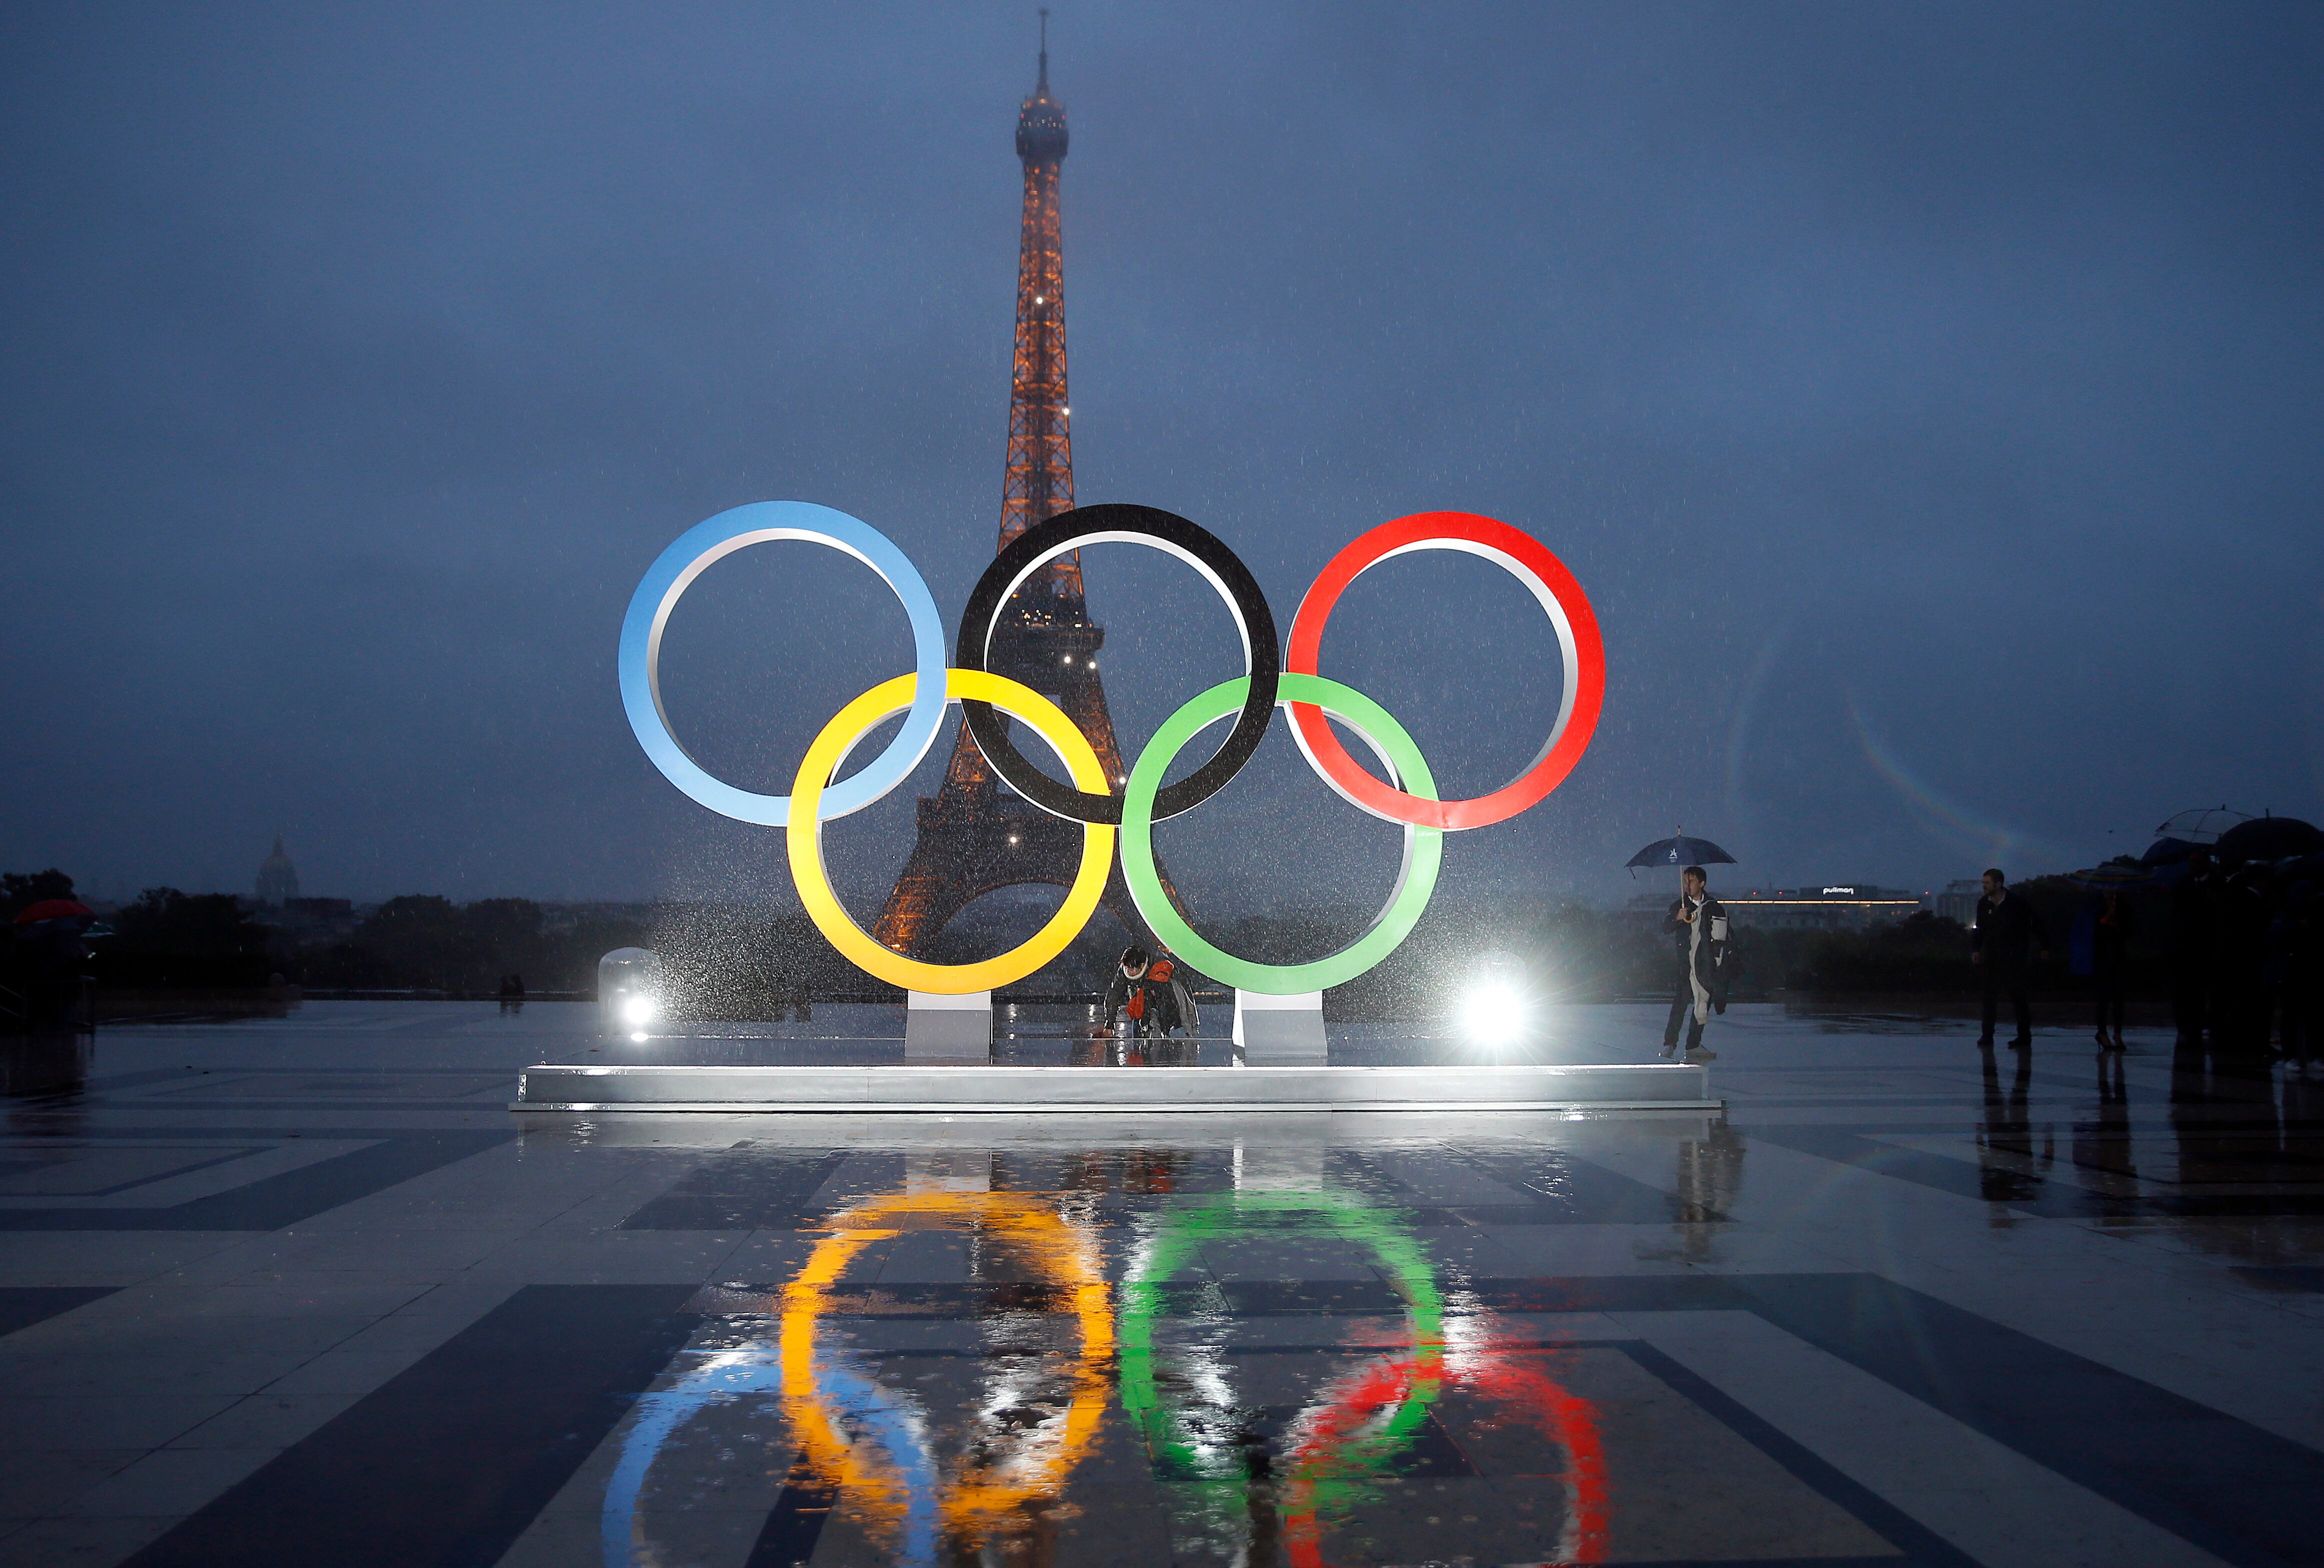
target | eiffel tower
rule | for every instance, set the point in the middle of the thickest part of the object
(975, 837)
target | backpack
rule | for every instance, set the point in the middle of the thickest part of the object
(1165, 992)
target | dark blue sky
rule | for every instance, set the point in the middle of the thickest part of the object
(1927, 396)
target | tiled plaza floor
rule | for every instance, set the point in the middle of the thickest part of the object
(304, 1291)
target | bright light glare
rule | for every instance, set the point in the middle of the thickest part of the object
(1494, 1008)
(637, 1010)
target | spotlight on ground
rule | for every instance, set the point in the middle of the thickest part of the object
(1497, 1004)
(629, 990)
(1493, 1008)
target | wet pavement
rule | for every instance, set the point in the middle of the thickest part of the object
(303, 1290)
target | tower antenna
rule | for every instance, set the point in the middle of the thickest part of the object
(1044, 84)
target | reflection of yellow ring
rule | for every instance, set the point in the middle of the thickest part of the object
(1061, 1253)
(806, 834)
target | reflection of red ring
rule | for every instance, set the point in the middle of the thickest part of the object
(1526, 559)
(1572, 1422)
(1566, 1419)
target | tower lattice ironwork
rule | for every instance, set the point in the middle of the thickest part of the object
(976, 836)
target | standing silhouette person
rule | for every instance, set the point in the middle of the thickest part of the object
(2195, 947)
(2110, 966)
(1697, 924)
(2008, 933)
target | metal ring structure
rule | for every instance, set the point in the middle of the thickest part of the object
(1553, 587)
(693, 553)
(1047, 1450)
(1415, 877)
(830, 750)
(1200, 548)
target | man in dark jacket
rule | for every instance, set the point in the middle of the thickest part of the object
(2008, 938)
(1697, 924)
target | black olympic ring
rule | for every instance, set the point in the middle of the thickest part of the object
(1190, 543)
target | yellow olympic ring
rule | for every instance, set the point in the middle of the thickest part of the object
(1062, 1254)
(823, 758)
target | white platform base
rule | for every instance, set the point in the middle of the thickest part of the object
(948, 1028)
(1169, 1090)
(1280, 1031)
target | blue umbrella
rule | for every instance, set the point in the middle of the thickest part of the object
(1682, 851)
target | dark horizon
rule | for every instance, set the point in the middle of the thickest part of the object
(1924, 397)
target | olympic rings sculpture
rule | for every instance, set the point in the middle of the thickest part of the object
(1275, 675)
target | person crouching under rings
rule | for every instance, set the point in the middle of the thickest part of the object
(1151, 996)
(1698, 924)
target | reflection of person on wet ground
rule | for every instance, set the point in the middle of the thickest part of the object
(1697, 925)
(2194, 946)
(2004, 943)
(2006, 1131)
(2110, 966)
(2104, 1156)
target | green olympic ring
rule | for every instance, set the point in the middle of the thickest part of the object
(1167, 1429)
(1416, 881)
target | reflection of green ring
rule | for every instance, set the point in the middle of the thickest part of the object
(1424, 847)
(1186, 1230)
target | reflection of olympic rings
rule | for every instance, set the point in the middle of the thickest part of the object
(873, 1413)
(1199, 548)
(1288, 676)
(1577, 638)
(1175, 1433)
(1045, 1446)
(1571, 1423)
(1416, 878)
(831, 917)
(1359, 1423)
(695, 549)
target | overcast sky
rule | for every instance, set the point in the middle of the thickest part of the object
(1927, 397)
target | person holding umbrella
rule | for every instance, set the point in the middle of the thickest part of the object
(1697, 923)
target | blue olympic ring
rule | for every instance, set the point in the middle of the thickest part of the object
(675, 569)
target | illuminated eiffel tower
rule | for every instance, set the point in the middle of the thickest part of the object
(975, 837)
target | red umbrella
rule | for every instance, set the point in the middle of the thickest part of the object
(54, 909)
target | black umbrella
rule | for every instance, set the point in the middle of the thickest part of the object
(2268, 838)
(2167, 852)
(1682, 851)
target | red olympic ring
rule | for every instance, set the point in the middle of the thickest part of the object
(1526, 559)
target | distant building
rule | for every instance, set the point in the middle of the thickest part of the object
(1813, 907)
(1959, 900)
(278, 879)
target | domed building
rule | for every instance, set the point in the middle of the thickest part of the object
(278, 879)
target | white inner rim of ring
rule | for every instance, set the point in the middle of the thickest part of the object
(703, 562)
(1217, 584)
(1109, 536)
(1568, 650)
